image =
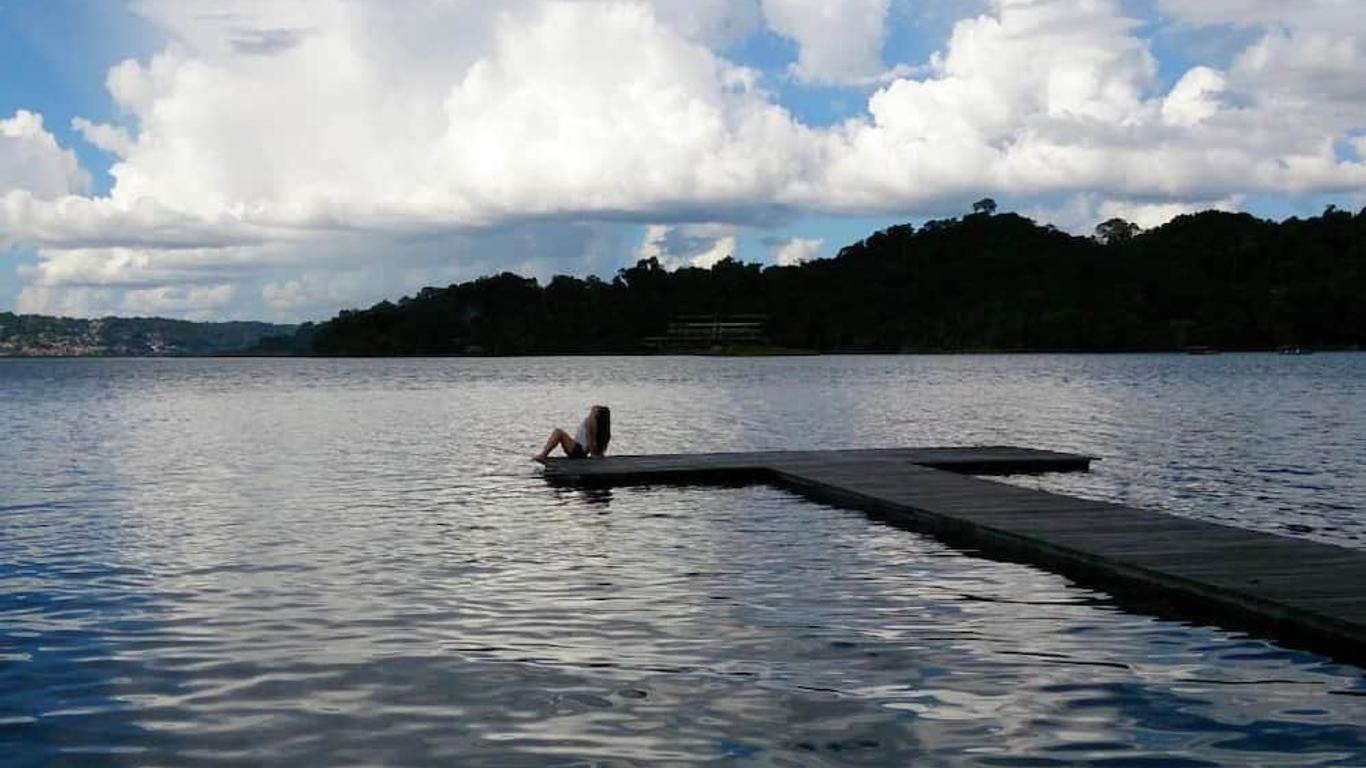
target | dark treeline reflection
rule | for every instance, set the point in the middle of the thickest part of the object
(986, 281)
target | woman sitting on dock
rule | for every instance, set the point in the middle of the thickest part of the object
(590, 439)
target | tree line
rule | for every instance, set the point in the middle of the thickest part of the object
(984, 281)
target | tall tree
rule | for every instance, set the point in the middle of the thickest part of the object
(985, 205)
(1116, 230)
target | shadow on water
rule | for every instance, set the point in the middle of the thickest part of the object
(593, 496)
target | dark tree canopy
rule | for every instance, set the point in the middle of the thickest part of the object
(985, 205)
(1115, 231)
(998, 282)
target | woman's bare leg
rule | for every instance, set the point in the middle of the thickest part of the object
(558, 439)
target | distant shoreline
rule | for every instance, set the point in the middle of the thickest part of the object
(986, 283)
(827, 353)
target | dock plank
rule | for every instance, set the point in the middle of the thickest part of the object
(1304, 592)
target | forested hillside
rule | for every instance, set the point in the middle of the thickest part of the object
(983, 282)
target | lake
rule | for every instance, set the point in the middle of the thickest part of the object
(345, 562)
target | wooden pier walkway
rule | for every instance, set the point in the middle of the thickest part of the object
(1305, 593)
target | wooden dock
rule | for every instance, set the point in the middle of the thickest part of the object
(1304, 593)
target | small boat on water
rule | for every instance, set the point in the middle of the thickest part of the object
(1201, 351)
(1295, 351)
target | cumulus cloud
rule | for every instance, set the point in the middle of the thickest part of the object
(1025, 98)
(794, 251)
(366, 121)
(311, 278)
(31, 160)
(836, 42)
(74, 221)
(551, 120)
(66, 302)
(1194, 98)
(1312, 66)
(1311, 53)
(1047, 96)
(692, 245)
(137, 267)
(172, 300)
(286, 296)
(1323, 14)
(479, 116)
(199, 302)
(110, 138)
(269, 145)
(715, 23)
(1081, 213)
(1150, 215)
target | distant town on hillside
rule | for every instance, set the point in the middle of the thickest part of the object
(42, 336)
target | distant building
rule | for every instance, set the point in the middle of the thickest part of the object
(710, 333)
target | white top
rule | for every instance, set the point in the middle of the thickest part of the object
(581, 434)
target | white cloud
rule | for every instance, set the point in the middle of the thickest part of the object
(31, 160)
(715, 23)
(1150, 215)
(724, 247)
(64, 302)
(552, 121)
(137, 267)
(365, 120)
(1322, 14)
(689, 245)
(795, 251)
(1194, 98)
(360, 119)
(185, 300)
(74, 221)
(286, 296)
(1307, 66)
(1048, 96)
(110, 138)
(194, 302)
(837, 42)
(1023, 99)
(1079, 214)
(1311, 54)
(330, 271)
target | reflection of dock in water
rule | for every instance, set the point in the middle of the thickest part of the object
(1304, 592)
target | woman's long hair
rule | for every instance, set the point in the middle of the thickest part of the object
(602, 428)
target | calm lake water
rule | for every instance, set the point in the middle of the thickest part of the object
(346, 562)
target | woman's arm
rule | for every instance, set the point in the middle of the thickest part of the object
(591, 432)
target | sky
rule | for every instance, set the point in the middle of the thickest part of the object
(254, 159)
